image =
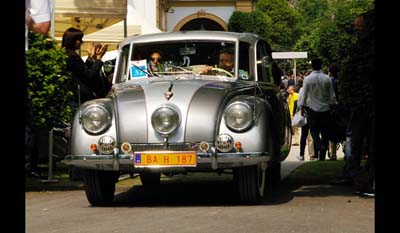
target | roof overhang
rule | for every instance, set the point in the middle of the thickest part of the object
(87, 15)
(289, 55)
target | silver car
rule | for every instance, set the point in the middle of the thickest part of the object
(190, 115)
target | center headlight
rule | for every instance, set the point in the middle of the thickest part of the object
(238, 116)
(165, 120)
(95, 119)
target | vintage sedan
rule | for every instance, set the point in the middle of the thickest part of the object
(180, 119)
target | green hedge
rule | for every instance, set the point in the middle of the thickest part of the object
(49, 85)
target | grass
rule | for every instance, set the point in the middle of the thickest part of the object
(33, 184)
(318, 172)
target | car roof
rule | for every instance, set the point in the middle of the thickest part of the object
(191, 35)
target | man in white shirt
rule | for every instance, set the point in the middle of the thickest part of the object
(37, 17)
(318, 89)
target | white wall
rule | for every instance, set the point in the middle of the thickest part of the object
(143, 12)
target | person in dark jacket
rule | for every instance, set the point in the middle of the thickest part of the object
(357, 92)
(86, 76)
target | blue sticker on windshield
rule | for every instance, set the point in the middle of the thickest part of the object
(138, 69)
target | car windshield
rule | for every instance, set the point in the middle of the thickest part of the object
(182, 57)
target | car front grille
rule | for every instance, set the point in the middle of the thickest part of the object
(162, 147)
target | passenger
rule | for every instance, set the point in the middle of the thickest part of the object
(154, 63)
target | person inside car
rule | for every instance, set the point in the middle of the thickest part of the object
(154, 63)
(226, 61)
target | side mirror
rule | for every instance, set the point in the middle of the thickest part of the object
(108, 66)
(266, 61)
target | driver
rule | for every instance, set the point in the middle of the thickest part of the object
(226, 61)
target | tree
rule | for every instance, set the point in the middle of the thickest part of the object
(312, 13)
(49, 84)
(255, 22)
(285, 23)
(331, 38)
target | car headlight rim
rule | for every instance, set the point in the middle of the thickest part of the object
(165, 120)
(95, 119)
(239, 116)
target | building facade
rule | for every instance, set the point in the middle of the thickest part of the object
(176, 15)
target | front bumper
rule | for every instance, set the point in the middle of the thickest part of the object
(205, 161)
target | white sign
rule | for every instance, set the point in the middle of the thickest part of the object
(137, 68)
(288, 55)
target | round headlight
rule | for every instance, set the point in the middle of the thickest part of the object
(238, 116)
(165, 120)
(95, 119)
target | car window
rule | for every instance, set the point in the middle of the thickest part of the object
(263, 73)
(182, 56)
(122, 64)
(244, 58)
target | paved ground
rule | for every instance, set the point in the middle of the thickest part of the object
(199, 207)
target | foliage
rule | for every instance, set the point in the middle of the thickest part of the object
(358, 74)
(322, 28)
(285, 27)
(330, 38)
(49, 84)
(255, 22)
(312, 13)
(308, 43)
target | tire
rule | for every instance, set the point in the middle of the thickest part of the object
(74, 173)
(150, 180)
(250, 183)
(100, 186)
(273, 174)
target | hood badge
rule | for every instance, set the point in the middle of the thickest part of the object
(168, 94)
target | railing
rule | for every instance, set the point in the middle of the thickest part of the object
(50, 166)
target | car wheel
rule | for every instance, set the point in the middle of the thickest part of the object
(273, 174)
(74, 173)
(150, 180)
(250, 182)
(100, 186)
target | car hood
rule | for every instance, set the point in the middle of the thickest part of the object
(200, 103)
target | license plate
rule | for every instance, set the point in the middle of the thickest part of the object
(165, 159)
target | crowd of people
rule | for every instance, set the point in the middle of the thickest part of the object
(340, 109)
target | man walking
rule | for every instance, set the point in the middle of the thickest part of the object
(318, 88)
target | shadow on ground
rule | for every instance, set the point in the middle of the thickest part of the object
(219, 193)
(199, 189)
(41, 184)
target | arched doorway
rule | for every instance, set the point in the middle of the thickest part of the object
(201, 20)
(202, 24)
